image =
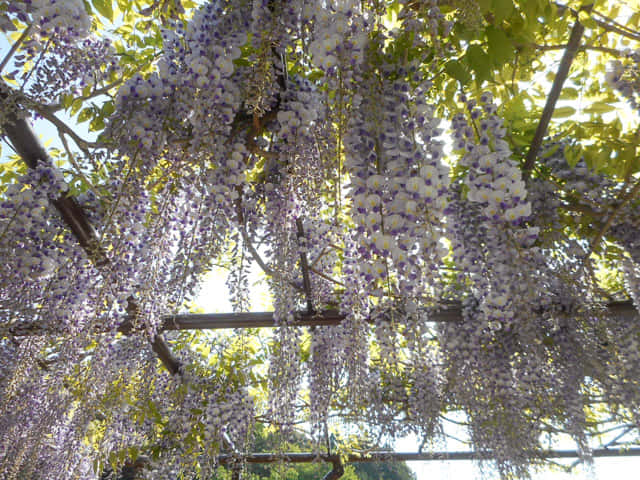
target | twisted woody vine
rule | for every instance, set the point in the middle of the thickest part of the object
(383, 159)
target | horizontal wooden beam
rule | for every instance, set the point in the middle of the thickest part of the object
(214, 321)
(308, 457)
(219, 321)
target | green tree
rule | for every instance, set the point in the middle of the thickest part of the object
(268, 442)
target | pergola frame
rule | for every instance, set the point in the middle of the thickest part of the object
(27, 145)
(384, 456)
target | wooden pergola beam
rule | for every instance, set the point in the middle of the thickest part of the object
(221, 321)
(216, 321)
(28, 146)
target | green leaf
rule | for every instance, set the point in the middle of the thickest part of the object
(500, 46)
(87, 7)
(569, 93)
(455, 69)
(585, 19)
(76, 105)
(502, 9)
(531, 10)
(105, 8)
(85, 115)
(479, 62)
(599, 107)
(563, 112)
(315, 75)
(67, 100)
(97, 466)
(108, 108)
(134, 452)
(485, 6)
(96, 124)
(572, 154)
(241, 62)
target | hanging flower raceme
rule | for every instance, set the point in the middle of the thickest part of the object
(66, 17)
(339, 34)
(189, 104)
(493, 180)
(426, 22)
(624, 77)
(496, 197)
(507, 278)
(59, 58)
(399, 184)
(599, 195)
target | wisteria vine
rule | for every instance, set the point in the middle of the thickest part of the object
(309, 138)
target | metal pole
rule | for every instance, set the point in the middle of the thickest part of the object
(307, 457)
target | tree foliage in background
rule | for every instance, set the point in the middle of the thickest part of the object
(269, 442)
(385, 158)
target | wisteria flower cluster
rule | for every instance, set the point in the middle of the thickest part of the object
(61, 54)
(438, 27)
(68, 17)
(309, 138)
(25, 216)
(625, 78)
(493, 180)
(193, 96)
(399, 184)
(339, 33)
(599, 195)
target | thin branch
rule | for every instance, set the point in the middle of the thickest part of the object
(36, 66)
(611, 25)
(304, 265)
(72, 160)
(322, 253)
(15, 47)
(54, 107)
(455, 422)
(614, 441)
(612, 216)
(611, 51)
(63, 128)
(603, 22)
(254, 253)
(326, 277)
(554, 94)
